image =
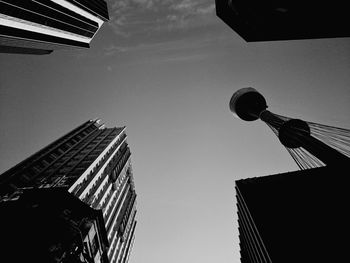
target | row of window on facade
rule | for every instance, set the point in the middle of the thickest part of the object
(96, 168)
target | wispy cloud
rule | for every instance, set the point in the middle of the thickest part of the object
(182, 49)
(177, 58)
(166, 30)
(113, 49)
(130, 17)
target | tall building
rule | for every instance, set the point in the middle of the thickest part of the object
(41, 26)
(298, 216)
(92, 163)
(269, 20)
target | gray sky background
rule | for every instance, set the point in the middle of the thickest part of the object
(167, 69)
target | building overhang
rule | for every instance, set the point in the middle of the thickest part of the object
(271, 20)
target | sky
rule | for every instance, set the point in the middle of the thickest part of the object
(166, 69)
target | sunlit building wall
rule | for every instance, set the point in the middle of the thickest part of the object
(41, 26)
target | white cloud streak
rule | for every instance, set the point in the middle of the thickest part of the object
(161, 27)
(159, 15)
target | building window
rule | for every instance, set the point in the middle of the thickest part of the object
(94, 245)
(86, 248)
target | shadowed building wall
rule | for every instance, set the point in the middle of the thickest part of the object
(298, 216)
(51, 225)
(270, 20)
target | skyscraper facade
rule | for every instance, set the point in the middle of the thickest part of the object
(92, 163)
(41, 26)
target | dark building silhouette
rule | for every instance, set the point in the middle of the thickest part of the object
(51, 225)
(298, 216)
(256, 20)
(41, 26)
(93, 164)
